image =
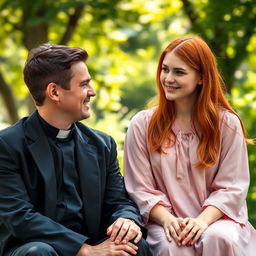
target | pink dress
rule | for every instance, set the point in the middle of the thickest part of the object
(172, 180)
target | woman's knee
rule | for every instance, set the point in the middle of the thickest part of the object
(225, 233)
(158, 243)
(162, 247)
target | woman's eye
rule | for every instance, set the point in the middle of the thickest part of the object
(179, 72)
(164, 69)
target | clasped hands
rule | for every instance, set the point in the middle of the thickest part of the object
(185, 231)
(123, 230)
(120, 233)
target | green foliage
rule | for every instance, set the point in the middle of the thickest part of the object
(115, 125)
(244, 100)
(251, 198)
(227, 26)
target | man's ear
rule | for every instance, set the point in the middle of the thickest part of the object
(52, 91)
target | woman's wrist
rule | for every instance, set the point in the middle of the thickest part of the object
(160, 215)
(210, 214)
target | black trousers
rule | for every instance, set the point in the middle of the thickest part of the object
(143, 248)
(43, 249)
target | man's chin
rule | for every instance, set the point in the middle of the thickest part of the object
(86, 115)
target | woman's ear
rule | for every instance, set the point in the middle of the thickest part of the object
(52, 91)
(200, 81)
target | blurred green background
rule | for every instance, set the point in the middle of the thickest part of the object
(124, 39)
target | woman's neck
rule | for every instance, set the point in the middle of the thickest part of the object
(184, 116)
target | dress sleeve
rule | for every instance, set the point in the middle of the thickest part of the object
(138, 173)
(230, 185)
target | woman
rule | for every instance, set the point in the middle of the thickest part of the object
(186, 162)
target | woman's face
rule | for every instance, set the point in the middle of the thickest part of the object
(179, 80)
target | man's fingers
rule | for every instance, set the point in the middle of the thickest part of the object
(115, 229)
(131, 232)
(129, 247)
(109, 230)
(124, 230)
(108, 247)
(138, 237)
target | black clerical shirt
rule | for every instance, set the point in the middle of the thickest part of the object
(69, 203)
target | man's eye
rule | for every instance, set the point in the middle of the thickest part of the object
(84, 84)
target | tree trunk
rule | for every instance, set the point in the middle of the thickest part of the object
(9, 100)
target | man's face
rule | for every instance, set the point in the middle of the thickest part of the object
(74, 103)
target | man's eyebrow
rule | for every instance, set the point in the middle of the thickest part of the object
(86, 81)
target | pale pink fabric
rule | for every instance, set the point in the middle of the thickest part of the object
(173, 181)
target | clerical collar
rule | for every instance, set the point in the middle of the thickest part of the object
(63, 134)
(54, 132)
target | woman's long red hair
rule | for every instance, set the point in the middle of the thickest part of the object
(210, 99)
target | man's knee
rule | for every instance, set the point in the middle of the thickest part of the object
(41, 249)
(34, 249)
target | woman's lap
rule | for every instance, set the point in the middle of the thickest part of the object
(223, 237)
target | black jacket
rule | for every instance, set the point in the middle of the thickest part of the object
(28, 193)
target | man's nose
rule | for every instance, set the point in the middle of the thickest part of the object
(91, 92)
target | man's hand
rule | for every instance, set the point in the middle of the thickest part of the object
(124, 230)
(107, 248)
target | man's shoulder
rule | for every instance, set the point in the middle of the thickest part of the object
(93, 134)
(13, 137)
(13, 131)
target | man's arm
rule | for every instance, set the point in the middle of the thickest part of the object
(117, 204)
(18, 214)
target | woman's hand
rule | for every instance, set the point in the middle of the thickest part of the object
(173, 227)
(194, 228)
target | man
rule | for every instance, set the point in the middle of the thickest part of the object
(61, 192)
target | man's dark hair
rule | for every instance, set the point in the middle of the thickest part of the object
(50, 63)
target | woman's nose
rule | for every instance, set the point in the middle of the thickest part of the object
(170, 77)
